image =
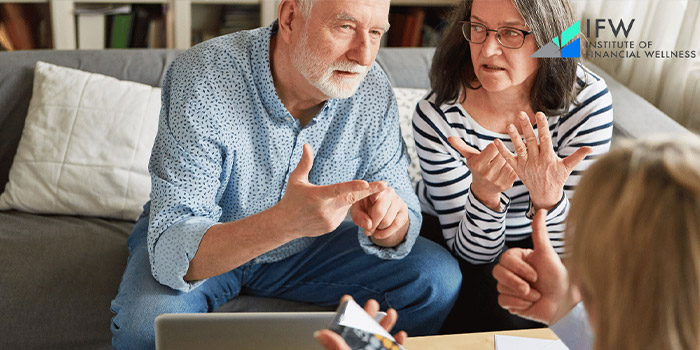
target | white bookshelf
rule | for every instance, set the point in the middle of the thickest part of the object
(182, 10)
(63, 18)
(63, 24)
(28, 1)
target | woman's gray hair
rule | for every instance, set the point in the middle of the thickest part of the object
(553, 90)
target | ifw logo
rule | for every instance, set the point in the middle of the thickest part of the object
(560, 46)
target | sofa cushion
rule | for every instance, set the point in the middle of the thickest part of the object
(407, 99)
(59, 274)
(147, 66)
(85, 146)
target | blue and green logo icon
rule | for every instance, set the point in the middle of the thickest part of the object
(560, 46)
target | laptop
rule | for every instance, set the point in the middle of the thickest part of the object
(241, 330)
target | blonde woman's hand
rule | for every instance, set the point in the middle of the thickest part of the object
(533, 283)
(491, 175)
(333, 341)
(536, 164)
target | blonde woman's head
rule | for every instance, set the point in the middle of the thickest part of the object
(634, 235)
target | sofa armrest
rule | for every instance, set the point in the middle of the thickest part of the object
(635, 117)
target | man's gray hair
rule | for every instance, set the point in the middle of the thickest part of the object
(305, 7)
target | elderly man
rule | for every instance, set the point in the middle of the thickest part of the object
(240, 204)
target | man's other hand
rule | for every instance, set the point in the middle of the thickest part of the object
(383, 216)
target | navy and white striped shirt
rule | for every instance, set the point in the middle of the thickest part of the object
(472, 230)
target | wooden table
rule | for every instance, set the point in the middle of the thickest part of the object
(472, 341)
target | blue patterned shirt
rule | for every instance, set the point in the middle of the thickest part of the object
(226, 146)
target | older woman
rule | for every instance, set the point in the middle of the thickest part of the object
(634, 235)
(487, 93)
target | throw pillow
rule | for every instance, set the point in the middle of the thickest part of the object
(85, 146)
(407, 99)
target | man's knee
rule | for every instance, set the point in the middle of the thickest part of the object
(436, 272)
(133, 323)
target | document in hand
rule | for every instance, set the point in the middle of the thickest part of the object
(506, 342)
(360, 330)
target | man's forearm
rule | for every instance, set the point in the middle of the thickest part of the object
(227, 246)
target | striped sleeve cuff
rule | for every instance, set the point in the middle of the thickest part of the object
(475, 206)
(558, 209)
(480, 236)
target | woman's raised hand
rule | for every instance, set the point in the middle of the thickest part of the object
(535, 163)
(490, 173)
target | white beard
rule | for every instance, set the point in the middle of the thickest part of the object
(311, 66)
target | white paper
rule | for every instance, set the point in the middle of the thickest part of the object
(556, 345)
(356, 317)
(507, 342)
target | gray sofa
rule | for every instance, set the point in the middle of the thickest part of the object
(59, 273)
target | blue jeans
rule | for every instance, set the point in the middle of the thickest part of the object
(422, 287)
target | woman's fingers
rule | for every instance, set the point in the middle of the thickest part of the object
(465, 150)
(496, 167)
(511, 280)
(505, 153)
(532, 295)
(489, 153)
(372, 307)
(533, 148)
(521, 151)
(389, 320)
(507, 176)
(331, 340)
(485, 161)
(572, 161)
(513, 303)
(544, 133)
(400, 337)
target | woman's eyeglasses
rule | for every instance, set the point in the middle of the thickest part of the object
(476, 33)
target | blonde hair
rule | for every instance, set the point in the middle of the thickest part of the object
(634, 235)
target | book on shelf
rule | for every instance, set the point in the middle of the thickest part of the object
(19, 27)
(5, 42)
(239, 17)
(44, 38)
(120, 30)
(149, 26)
(406, 26)
(156, 34)
(102, 26)
(91, 32)
(91, 20)
(229, 19)
(169, 19)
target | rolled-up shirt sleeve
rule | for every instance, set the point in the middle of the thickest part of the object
(390, 164)
(185, 168)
